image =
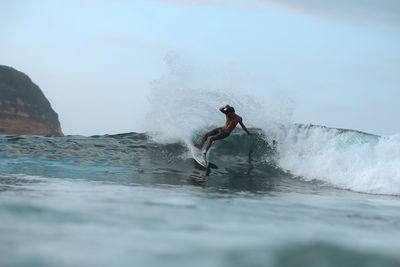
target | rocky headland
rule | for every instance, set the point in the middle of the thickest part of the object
(24, 109)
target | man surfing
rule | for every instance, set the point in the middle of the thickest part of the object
(232, 119)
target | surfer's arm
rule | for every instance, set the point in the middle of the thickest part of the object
(244, 127)
(222, 109)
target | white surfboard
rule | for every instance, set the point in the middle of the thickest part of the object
(199, 157)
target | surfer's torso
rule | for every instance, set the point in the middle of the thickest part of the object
(231, 121)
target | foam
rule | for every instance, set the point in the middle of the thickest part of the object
(185, 101)
(346, 159)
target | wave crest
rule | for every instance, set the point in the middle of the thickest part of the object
(344, 158)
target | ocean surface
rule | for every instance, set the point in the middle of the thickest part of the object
(308, 196)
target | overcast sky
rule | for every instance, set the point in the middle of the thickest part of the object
(337, 61)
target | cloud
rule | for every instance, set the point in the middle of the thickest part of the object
(121, 40)
(387, 11)
(378, 10)
(127, 41)
(189, 2)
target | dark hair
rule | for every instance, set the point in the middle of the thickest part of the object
(230, 110)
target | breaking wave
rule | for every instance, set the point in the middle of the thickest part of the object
(184, 105)
(344, 158)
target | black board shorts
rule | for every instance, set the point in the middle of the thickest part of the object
(220, 133)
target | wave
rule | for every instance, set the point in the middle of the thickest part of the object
(183, 105)
(239, 165)
(345, 159)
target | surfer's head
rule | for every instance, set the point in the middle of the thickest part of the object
(230, 110)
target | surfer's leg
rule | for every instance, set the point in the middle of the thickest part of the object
(212, 139)
(213, 132)
(221, 134)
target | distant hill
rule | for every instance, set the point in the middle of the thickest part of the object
(24, 109)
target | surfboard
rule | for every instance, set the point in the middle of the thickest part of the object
(199, 157)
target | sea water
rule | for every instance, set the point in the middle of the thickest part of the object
(130, 200)
(289, 195)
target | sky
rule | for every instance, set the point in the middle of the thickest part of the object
(337, 61)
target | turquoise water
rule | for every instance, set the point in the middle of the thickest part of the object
(127, 200)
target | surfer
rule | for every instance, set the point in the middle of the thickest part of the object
(232, 119)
